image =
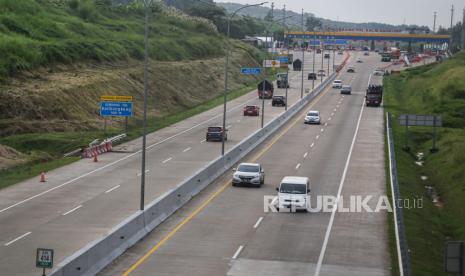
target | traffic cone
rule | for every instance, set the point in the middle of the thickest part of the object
(42, 177)
(95, 157)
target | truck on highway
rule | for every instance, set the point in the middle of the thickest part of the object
(265, 89)
(281, 80)
(297, 65)
(374, 95)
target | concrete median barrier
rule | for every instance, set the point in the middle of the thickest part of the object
(95, 256)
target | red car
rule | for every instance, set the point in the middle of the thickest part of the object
(251, 110)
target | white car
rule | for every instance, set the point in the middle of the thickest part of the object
(337, 84)
(248, 174)
(293, 194)
(321, 73)
(312, 117)
(378, 72)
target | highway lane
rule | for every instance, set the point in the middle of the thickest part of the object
(82, 210)
(234, 236)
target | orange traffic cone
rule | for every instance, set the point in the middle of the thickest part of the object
(42, 177)
(95, 157)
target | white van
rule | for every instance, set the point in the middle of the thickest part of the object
(293, 192)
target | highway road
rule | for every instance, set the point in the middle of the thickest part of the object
(225, 231)
(81, 202)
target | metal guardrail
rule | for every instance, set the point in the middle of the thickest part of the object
(96, 255)
(401, 239)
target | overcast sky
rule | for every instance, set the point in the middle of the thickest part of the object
(418, 12)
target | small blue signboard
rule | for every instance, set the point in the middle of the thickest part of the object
(122, 109)
(283, 59)
(251, 71)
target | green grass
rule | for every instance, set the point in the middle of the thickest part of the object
(433, 89)
(37, 33)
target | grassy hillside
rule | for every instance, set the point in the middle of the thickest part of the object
(432, 89)
(37, 33)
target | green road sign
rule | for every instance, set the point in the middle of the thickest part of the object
(44, 258)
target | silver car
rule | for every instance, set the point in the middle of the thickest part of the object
(312, 117)
(346, 89)
(248, 174)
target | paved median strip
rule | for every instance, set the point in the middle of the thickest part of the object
(72, 210)
(17, 239)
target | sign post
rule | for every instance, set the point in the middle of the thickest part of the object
(433, 121)
(44, 259)
(271, 63)
(118, 106)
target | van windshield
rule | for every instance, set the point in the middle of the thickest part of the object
(287, 188)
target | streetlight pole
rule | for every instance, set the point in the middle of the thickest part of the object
(329, 51)
(144, 131)
(226, 65)
(314, 50)
(264, 81)
(303, 58)
(334, 50)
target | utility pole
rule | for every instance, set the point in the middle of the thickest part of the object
(452, 17)
(434, 22)
(463, 30)
(303, 57)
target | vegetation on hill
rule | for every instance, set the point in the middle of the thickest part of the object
(36, 33)
(431, 89)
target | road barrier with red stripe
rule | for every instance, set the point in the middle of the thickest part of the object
(96, 150)
(339, 68)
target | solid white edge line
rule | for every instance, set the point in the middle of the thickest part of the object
(18, 238)
(341, 184)
(72, 210)
(188, 149)
(167, 160)
(399, 255)
(112, 189)
(258, 222)
(238, 251)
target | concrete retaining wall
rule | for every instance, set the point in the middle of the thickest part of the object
(95, 256)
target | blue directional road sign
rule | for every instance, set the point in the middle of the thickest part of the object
(283, 59)
(122, 109)
(251, 71)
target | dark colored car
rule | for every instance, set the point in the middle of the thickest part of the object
(215, 133)
(326, 55)
(251, 110)
(278, 101)
(312, 76)
(318, 51)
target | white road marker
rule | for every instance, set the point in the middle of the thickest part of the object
(146, 171)
(305, 155)
(258, 222)
(332, 114)
(17, 239)
(322, 129)
(72, 210)
(329, 119)
(203, 141)
(312, 145)
(326, 124)
(167, 160)
(341, 184)
(238, 251)
(297, 167)
(112, 189)
(335, 110)
(228, 126)
(188, 149)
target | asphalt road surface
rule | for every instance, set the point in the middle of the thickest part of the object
(82, 202)
(225, 230)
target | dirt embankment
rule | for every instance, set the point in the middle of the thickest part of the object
(66, 98)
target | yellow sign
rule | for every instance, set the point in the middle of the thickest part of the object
(116, 98)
